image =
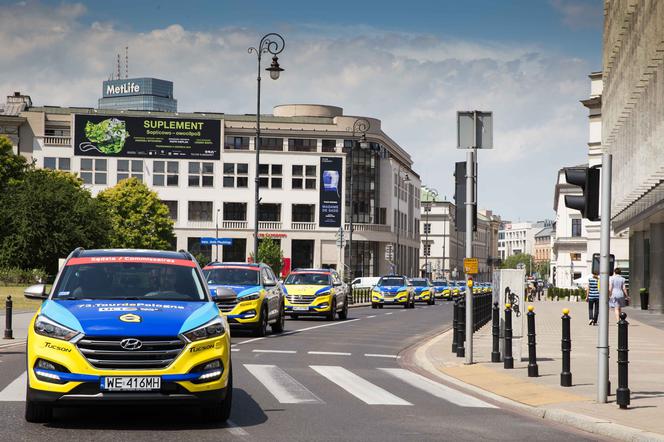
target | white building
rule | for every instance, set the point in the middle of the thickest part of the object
(213, 186)
(515, 238)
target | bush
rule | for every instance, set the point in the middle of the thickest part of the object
(16, 276)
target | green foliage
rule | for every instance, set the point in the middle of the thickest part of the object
(108, 135)
(201, 258)
(511, 262)
(15, 275)
(12, 166)
(138, 218)
(270, 253)
(44, 216)
(543, 268)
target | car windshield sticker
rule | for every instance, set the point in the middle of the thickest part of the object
(130, 259)
(129, 306)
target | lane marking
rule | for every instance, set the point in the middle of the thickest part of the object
(372, 316)
(15, 391)
(235, 349)
(331, 353)
(298, 331)
(274, 351)
(360, 388)
(390, 313)
(282, 386)
(434, 388)
(233, 428)
(374, 355)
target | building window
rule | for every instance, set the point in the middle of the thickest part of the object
(236, 174)
(272, 144)
(63, 163)
(200, 211)
(201, 174)
(269, 212)
(93, 171)
(172, 209)
(303, 213)
(427, 228)
(302, 144)
(270, 176)
(576, 227)
(165, 173)
(329, 145)
(130, 169)
(427, 249)
(303, 177)
(56, 131)
(575, 256)
(236, 143)
(235, 211)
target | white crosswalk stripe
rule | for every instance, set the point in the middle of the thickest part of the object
(281, 385)
(358, 387)
(15, 391)
(436, 389)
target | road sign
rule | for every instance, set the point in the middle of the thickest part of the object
(208, 241)
(389, 252)
(474, 130)
(471, 266)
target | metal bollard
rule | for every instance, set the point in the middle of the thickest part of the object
(566, 346)
(495, 331)
(533, 369)
(9, 333)
(455, 326)
(461, 327)
(508, 360)
(622, 393)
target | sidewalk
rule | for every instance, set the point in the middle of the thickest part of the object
(543, 396)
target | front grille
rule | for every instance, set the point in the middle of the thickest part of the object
(226, 305)
(301, 299)
(106, 352)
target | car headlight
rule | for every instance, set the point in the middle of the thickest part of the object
(49, 328)
(251, 297)
(327, 293)
(209, 330)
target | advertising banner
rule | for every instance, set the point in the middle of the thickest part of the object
(329, 207)
(146, 137)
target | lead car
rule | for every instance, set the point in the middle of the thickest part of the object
(127, 327)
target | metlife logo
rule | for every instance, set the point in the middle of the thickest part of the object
(121, 89)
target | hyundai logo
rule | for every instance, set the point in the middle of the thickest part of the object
(131, 344)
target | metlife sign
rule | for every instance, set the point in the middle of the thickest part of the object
(128, 87)
(137, 86)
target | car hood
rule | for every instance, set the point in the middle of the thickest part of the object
(391, 288)
(240, 290)
(130, 318)
(295, 289)
(419, 290)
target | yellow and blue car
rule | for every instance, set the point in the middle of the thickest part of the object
(393, 290)
(442, 289)
(423, 290)
(127, 327)
(249, 295)
(316, 292)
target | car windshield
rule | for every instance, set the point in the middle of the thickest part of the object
(391, 281)
(232, 276)
(308, 279)
(440, 282)
(420, 283)
(129, 280)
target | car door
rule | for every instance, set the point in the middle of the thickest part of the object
(339, 289)
(272, 292)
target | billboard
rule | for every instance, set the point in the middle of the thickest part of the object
(146, 137)
(331, 177)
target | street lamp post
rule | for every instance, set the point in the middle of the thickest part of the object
(360, 126)
(216, 236)
(270, 43)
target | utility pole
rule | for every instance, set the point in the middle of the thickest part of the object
(470, 202)
(604, 249)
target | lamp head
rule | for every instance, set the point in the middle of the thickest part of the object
(274, 69)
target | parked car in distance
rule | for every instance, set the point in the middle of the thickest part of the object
(366, 282)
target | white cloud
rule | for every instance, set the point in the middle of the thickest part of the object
(578, 14)
(414, 83)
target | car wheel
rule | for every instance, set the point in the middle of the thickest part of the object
(221, 410)
(261, 328)
(333, 311)
(432, 301)
(343, 314)
(374, 305)
(36, 412)
(294, 316)
(407, 304)
(380, 305)
(412, 303)
(278, 327)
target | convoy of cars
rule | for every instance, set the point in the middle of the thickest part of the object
(127, 325)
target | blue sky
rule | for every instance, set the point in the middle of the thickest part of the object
(410, 64)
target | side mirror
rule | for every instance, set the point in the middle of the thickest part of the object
(37, 291)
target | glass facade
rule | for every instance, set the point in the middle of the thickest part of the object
(145, 94)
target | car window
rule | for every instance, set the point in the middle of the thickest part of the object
(231, 276)
(302, 278)
(392, 281)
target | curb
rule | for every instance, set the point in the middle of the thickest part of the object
(359, 304)
(582, 422)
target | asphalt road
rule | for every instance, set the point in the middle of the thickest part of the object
(319, 381)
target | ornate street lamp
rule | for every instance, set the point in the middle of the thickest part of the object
(360, 127)
(270, 43)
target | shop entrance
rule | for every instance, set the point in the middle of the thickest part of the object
(302, 253)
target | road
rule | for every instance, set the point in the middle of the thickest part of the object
(319, 381)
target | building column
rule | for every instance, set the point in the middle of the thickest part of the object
(656, 284)
(637, 263)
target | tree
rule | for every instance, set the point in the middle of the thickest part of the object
(139, 220)
(511, 262)
(12, 166)
(543, 269)
(270, 253)
(44, 216)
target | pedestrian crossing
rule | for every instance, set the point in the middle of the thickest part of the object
(287, 390)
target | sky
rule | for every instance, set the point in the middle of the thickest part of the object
(410, 64)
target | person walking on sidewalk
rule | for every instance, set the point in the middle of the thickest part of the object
(592, 297)
(618, 292)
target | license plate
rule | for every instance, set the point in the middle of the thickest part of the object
(301, 309)
(131, 383)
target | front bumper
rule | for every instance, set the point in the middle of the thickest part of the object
(319, 306)
(425, 296)
(401, 298)
(245, 314)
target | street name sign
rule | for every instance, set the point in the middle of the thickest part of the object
(208, 241)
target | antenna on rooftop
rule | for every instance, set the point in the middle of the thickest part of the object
(118, 68)
(126, 61)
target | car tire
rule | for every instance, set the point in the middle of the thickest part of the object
(432, 301)
(221, 410)
(333, 311)
(407, 304)
(343, 314)
(374, 305)
(261, 328)
(412, 303)
(380, 305)
(36, 412)
(294, 316)
(278, 326)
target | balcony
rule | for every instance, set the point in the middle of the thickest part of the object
(234, 225)
(303, 226)
(199, 224)
(269, 225)
(361, 227)
(56, 141)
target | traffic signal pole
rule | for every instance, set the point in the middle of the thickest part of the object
(604, 249)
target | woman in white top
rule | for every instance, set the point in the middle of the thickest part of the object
(617, 293)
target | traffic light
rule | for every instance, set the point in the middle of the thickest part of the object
(460, 198)
(588, 180)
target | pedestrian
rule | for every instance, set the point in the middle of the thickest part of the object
(540, 290)
(592, 298)
(618, 292)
